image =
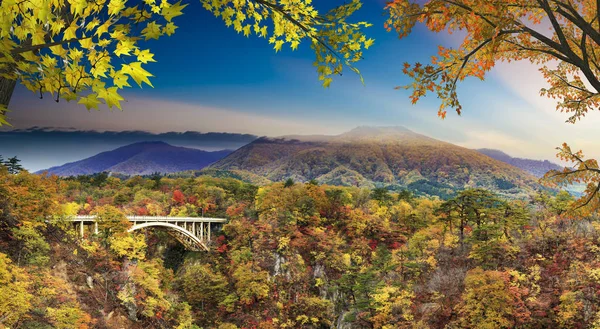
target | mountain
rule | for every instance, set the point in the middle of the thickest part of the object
(394, 157)
(535, 167)
(141, 158)
(44, 147)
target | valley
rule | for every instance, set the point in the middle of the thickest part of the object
(299, 164)
(293, 254)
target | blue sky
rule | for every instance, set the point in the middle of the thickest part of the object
(209, 78)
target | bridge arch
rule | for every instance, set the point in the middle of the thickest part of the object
(185, 237)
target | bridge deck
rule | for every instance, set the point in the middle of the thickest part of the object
(91, 218)
(193, 232)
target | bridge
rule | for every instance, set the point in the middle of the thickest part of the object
(193, 232)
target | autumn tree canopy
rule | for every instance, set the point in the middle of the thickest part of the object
(89, 51)
(507, 31)
(562, 37)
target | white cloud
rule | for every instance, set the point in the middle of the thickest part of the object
(524, 80)
(159, 115)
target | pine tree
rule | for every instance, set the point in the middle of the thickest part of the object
(13, 165)
(288, 183)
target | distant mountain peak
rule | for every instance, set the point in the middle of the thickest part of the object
(151, 143)
(381, 134)
(379, 130)
(148, 144)
(487, 151)
(394, 157)
(142, 158)
(356, 134)
(375, 131)
(535, 167)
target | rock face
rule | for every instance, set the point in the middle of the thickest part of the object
(368, 156)
(143, 158)
(90, 282)
(128, 291)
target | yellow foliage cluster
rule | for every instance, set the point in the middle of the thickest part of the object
(335, 40)
(80, 50)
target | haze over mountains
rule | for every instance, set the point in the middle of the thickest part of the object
(393, 157)
(535, 167)
(385, 156)
(40, 148)
(142, 158)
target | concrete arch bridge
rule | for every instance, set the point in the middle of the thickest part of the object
(194, 233)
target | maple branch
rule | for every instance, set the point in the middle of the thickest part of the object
(566, 49)
(594, 59)
(583, 47)
(574, 17)
(570, 84)
(465, 7)
(308, 33)
(545, 51)
(569, 173)
(557, 28)
(580, 101)
(44, 46)
(466, 60)
(543, 39)
(592, 195)
(580, 160)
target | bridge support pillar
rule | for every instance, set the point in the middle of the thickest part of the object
(96, 228)
(81, 229)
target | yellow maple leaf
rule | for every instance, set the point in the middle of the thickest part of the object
(124, 47)
(70, 32)
(169, 29)
(103, 28)
(90, 102)
(145, 56)
(152, 31)
(120, 79)
(170, 12)
(111, 97)
(137, 73)
(115, 7)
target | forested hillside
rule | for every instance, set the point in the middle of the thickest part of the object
(394, 157)
(292, 255)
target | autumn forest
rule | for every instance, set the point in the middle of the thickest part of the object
(370, 228)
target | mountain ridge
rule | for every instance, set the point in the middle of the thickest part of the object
(535, 167)
(395, 157)
(141, 158)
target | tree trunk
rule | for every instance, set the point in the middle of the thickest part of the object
(7, 86)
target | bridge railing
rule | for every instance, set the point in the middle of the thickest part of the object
(92, 218)
(193, 232)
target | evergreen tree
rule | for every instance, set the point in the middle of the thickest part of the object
(288, 183)
(13, 165)
(156, 177)
(382, 195)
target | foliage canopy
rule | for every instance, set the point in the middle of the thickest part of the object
(90, 51)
